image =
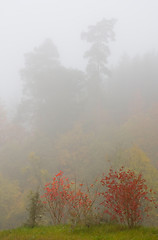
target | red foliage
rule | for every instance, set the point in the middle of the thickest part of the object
(56, 196)
(62, 199)
(79, 205)
(125, 196)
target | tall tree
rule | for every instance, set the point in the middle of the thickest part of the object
(98, 36)
(51, 91)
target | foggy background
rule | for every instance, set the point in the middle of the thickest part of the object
(60, 110)
(26, 24)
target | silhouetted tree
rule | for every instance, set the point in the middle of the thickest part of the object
(51, 91)
(99, 36)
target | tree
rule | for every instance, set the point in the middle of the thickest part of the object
(35, 209)
(126, 196)
(51, 91)
(98, 36)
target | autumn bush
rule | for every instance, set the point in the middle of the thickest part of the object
(124, 196)
(67, 201)
(56, 196)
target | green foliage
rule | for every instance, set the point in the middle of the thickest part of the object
(35, 210)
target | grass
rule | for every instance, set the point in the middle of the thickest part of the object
(101, 232)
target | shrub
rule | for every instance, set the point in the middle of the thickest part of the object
(35, 210)
(126, 196)
(56, 197)
(65, 200)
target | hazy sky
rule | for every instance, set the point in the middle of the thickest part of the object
(25, 24)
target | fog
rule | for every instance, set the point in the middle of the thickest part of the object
(25, 24)
(78, 94)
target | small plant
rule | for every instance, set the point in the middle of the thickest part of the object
(35, 210)
(126, 196)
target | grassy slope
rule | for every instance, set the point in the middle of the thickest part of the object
(103, 232)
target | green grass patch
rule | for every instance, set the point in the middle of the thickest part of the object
(101, 232)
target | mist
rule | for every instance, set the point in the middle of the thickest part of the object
(25, 24)
(78, 93)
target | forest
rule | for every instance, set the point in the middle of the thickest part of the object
(79, 122)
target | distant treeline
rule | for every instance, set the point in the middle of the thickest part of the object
(80, 122)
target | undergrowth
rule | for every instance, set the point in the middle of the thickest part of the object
(100, 232)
